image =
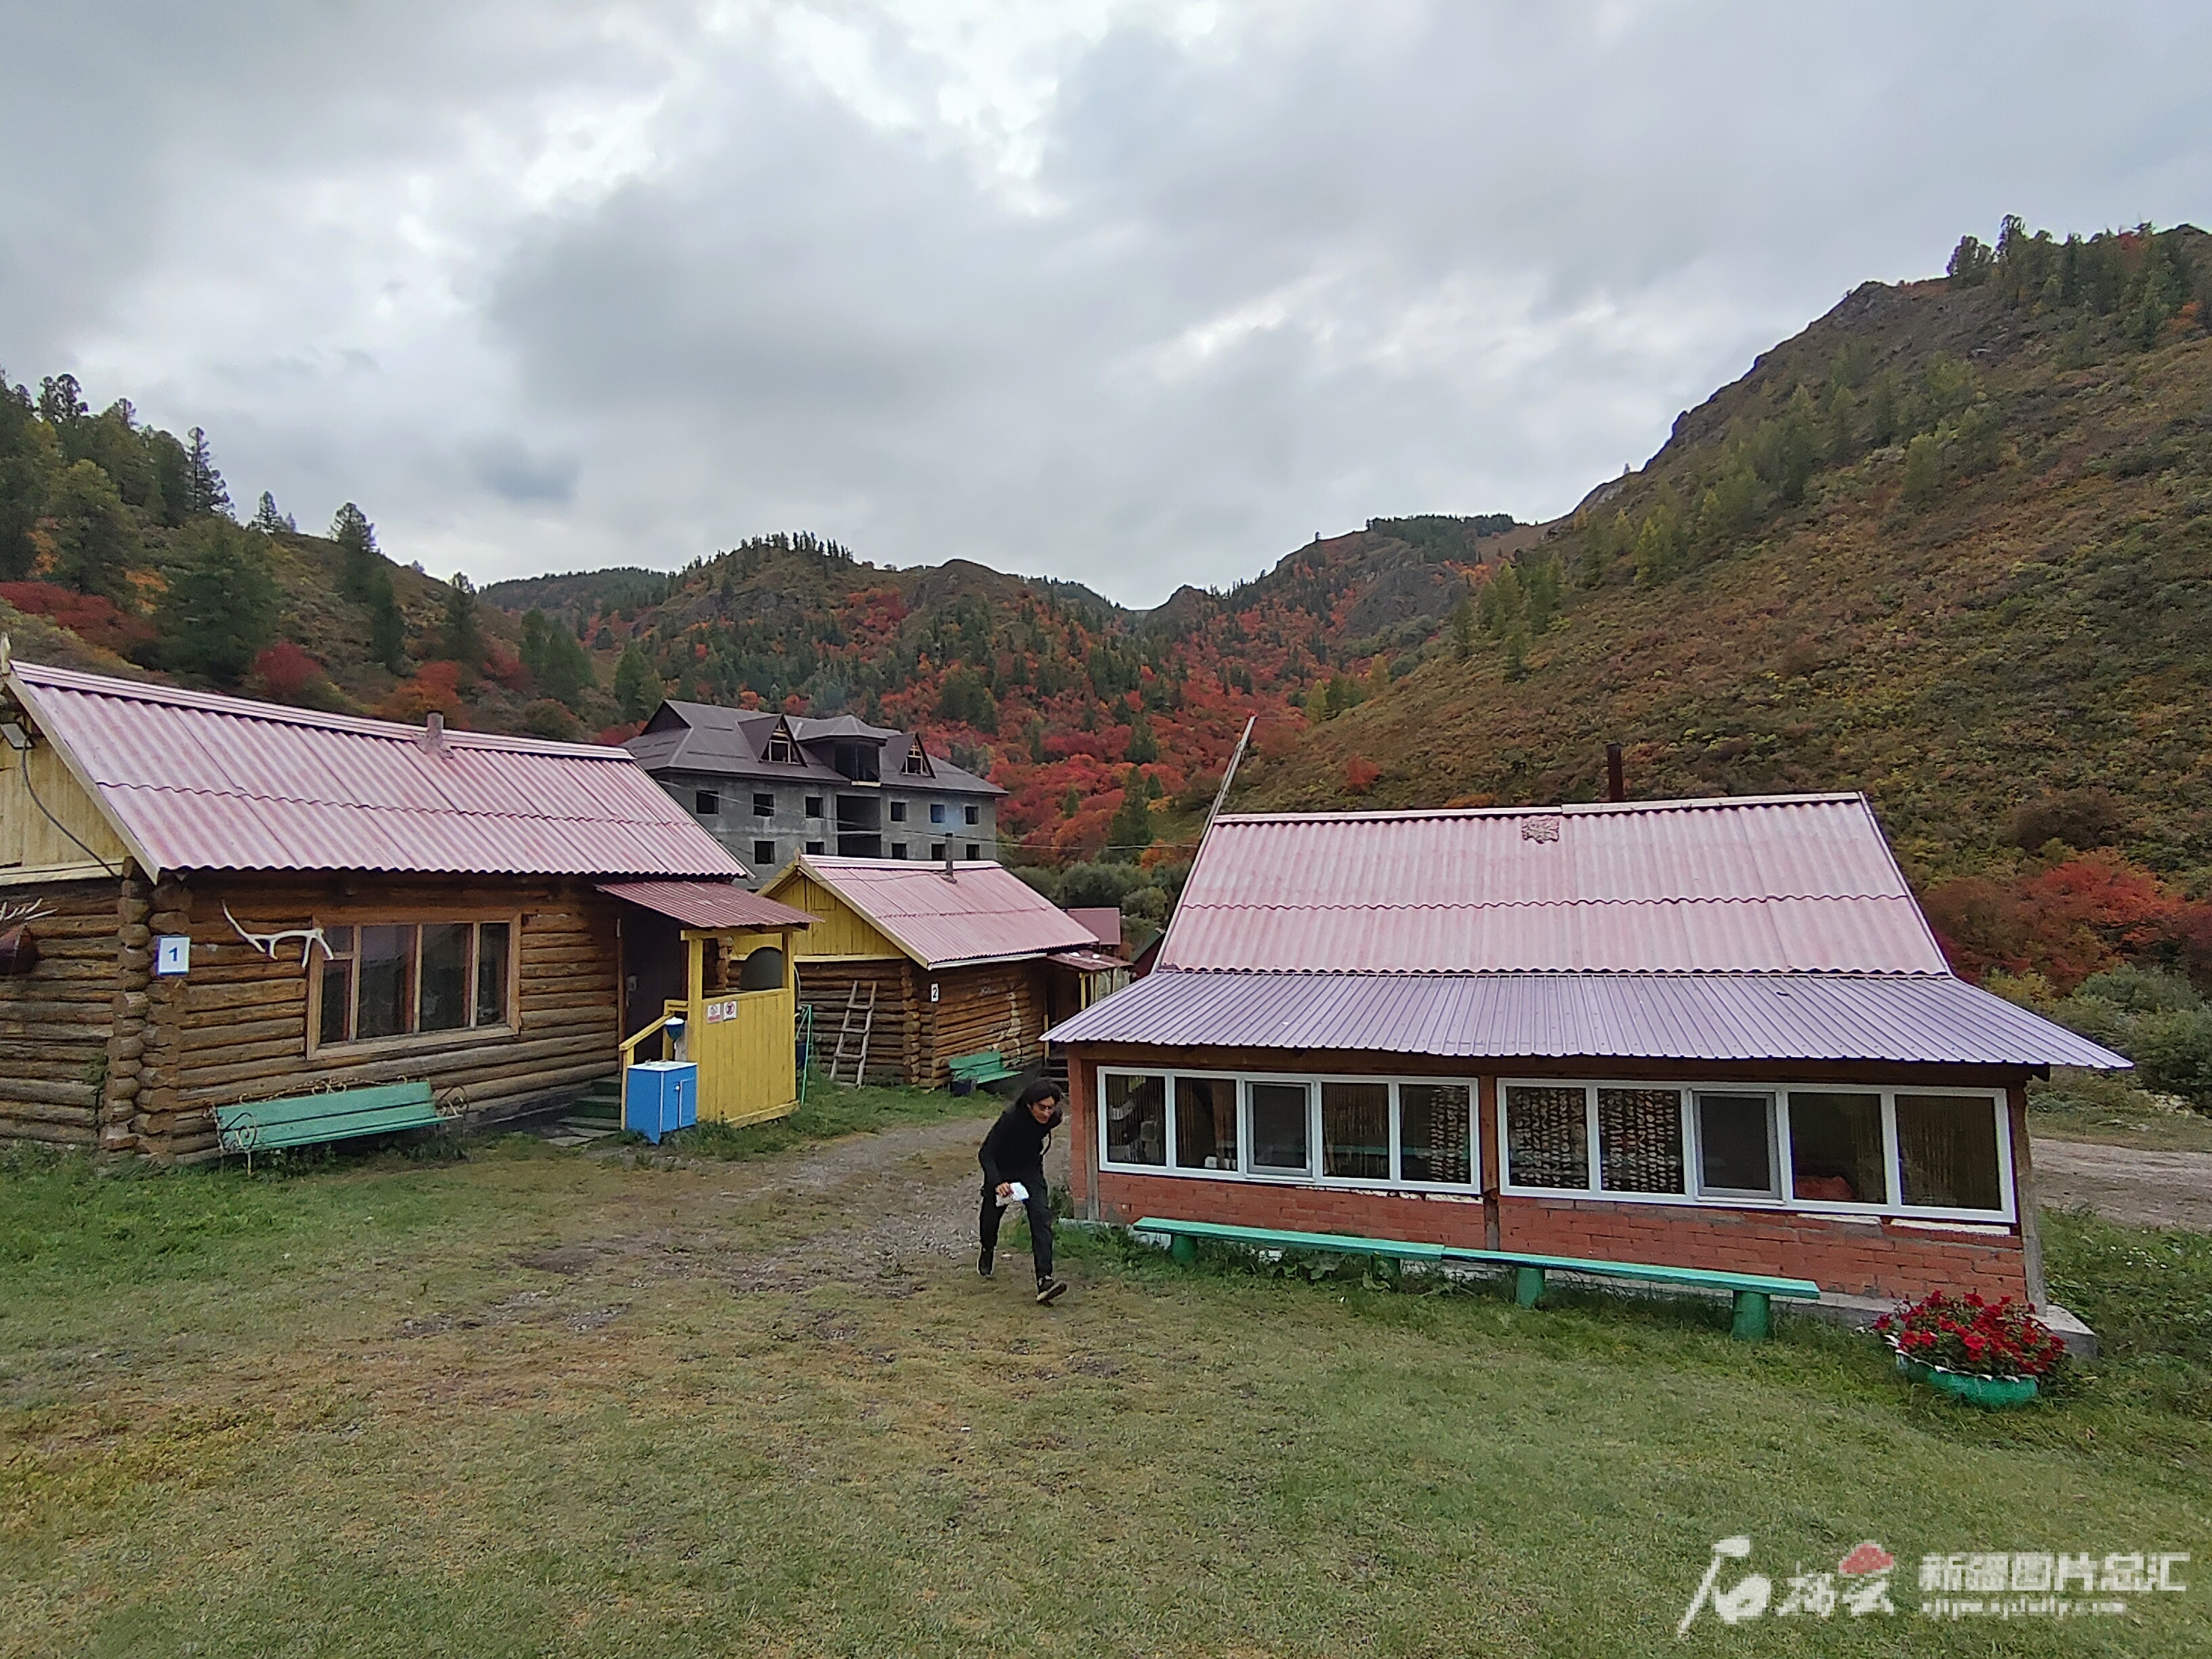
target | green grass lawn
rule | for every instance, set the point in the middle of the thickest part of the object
(2086, 1106)
(543, 1402)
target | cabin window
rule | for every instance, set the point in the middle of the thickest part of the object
(937, 812)
(764, 854)
(1639, 1140)
(406, 979)
(1206, 1123)
(1355, 1130)
(814, 806)
(1947, 1153)
(974, 814)
(1547, 1137)
(1278, 1128)
(1735, 1146)
(764, 807)
(1371, 1131)
(707, 803)
(1835, 1148)
(1871, 1150)
(1136, 1119)
(898, 812)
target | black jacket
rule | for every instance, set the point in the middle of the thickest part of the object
(1015, 1147)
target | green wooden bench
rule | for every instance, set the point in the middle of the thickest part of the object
(989, 1066)
(262, 1125)
(1753, 1294)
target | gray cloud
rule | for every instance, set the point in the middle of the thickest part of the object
(1102, 291)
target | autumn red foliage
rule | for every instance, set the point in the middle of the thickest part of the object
(2068, 920)
(1360, 774)
(434, 688)
(285, 671)
(96, 621)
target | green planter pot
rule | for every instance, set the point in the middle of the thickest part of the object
(1964, 1385)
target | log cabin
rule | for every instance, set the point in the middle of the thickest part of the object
(951, 959)
(209, 901)
(1710, 1034)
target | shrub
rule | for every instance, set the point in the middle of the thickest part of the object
(1980, 1338)
(2173, 1052)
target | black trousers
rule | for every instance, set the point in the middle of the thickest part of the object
(1039, 1205)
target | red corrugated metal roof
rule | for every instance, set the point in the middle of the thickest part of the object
(196, 781)
(1764, 884)
(1932, 1018)
(986, 913)
(707, 903)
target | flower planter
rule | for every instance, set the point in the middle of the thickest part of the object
(1965, 1385)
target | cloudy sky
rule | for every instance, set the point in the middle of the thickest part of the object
(1135, 292)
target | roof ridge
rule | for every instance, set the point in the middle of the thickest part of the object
(1579, 809)
(1823, 974)
(48, 677)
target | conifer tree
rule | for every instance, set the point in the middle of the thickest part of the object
(93, 540)
(637, 688)
(1923, 469)
(1144, 747)
(268, 520)
(1462, 620)
(358, 558)
(204, 493)
(220, 609)
(387, 628)
(460, 637)
(1542, 585)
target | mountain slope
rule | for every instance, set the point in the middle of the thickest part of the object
(2004, 596)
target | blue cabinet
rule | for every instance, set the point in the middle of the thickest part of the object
(660, 1096)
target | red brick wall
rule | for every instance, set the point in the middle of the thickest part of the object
(1879, 1258)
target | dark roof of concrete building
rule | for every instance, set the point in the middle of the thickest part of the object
(708, 739)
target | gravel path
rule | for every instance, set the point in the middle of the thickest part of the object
(2125, 1183)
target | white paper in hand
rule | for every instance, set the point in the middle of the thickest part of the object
(1015, 1193)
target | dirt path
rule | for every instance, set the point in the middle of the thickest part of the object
(2125, 1183)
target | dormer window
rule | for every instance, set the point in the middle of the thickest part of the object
(783, 748)
(917, 761)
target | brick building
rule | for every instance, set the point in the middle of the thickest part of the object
(1710, 1034)
(774, 787)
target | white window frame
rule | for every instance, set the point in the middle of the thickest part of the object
(1311, 1176)
(1777, 1097)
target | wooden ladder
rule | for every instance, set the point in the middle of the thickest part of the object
(853, 1034)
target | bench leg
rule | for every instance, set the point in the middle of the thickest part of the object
(1754, 1316)
(1527, 1285)
(1183, 1250)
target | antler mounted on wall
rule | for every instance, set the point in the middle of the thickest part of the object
(15, 915)
(309, 938)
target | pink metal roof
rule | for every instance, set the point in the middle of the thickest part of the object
(1763, 885)
(1104, 920)
(1934, 1018)
(988, 914)
(196, 781)
(707, 903)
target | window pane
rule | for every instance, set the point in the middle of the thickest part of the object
(1279, 1126)
(1206, 1123)
(1735, 1145)
(1546, 1138)
(337, 1025)
(340, 940)
(1946, 1150)
(491, 973)
(387, 987)
(1639, 1140)
(1136, 1119)
(1355, 1130)
(1835, 1148)
(1433, 1138)
(444, 976)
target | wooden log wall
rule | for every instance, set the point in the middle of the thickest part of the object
(894, 1045)
(997, 1005)
(59, 1022)
(235, 1028)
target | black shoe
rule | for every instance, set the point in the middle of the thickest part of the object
(1049, 1291)
(983, 1264)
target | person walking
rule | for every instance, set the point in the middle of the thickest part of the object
(1012, 1155)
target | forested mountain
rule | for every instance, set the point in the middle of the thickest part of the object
(1949, 546)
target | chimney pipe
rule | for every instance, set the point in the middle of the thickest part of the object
(433, 732)
(949, 874)
(1615, 787)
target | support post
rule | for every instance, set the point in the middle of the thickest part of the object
(1183, 1250)
(1754, 1315)
(1527, 1285)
